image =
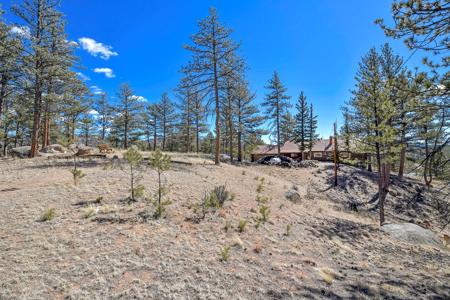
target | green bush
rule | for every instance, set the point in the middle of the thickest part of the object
(49, 215)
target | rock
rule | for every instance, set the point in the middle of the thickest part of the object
(20, 152)
(293, 196)
(412, 233)
(237, 242)
(84, 151)
(55, 148)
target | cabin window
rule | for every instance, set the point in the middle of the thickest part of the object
(317, 155)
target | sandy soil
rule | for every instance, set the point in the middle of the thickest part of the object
(334, 248)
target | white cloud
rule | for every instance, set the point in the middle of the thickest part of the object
(23, 31)
(96, 90)
(73, 44)
(95, 48)
(107, 71)
(83, 77)
(139, 98)
(93, 112)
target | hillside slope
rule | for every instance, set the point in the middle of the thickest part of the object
(320, 247)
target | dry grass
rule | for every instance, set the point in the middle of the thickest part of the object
(121, 252)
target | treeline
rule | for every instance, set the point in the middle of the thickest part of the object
(43, 100)
(399, 116)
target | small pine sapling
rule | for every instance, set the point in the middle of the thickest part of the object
(134, 158)
(160, 163)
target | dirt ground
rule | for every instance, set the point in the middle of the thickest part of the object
(328, 245)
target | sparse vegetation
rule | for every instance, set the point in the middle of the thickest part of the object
(49, 215)
(90, 211)
(77, 176)
(160, 163)
(241, 225)
(288, 230)
(225, 253)
(264, 211)
(134, 159)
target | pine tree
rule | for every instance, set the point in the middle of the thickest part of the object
(375, 110)
(211, 47)
(423, 25)
(87, 127)
(48, 57)
(276, 104)
(128, 112)
(104, 115)
(311, 129)
(345, 129)
(287, 128)
(301, 119)
(167, 117)
(248, 119)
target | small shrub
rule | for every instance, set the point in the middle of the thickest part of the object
(262, 199)
(77, 176)
(99, 200)
(288, 230)
(264, 211)
(49, 215)
(222, 195)
(241, 225)
(225, 254)
(89, 212)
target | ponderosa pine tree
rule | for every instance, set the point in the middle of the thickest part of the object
(211, 47)
(311, 129)
(276, 104)
(127, 112)
(345, 131)
(423, 25)
(287, 127)
(374, 111)
(104, 110)
(10, 51)
(47, 55)
(167, 118)
(301, 119)
(248, 118)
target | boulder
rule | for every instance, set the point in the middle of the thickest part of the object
(84, 151)
(412, 233)
(55, 148)
(20, 152)
(293, 196)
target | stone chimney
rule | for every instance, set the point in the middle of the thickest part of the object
(331, 140)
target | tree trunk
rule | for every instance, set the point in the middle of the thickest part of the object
(3, 82)
(154, 135)
(36, 119)
(383, 189)
(278, 127)
(37, 88)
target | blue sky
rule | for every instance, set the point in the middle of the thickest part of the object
(315, 45)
